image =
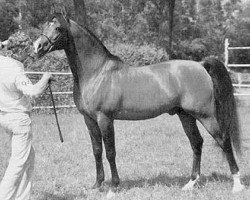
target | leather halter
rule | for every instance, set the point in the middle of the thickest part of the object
(50, 42)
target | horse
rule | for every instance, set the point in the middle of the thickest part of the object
(107, 89)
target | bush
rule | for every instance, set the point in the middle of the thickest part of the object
(136, 55)
(191, 50)
(7, 24)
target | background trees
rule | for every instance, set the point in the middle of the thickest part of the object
(7, 24)
(199, 26)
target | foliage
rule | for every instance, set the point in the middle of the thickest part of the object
(191, 50)
(138, 55)
(239, 35)
(7, 24)
(200, 27)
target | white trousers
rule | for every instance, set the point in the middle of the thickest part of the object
(16, 183)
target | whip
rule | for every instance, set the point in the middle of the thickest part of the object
(57, 122)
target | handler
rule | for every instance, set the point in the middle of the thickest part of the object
(16, 92)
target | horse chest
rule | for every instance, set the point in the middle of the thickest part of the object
(89, 97)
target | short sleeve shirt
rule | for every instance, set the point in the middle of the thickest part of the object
(23, 83)
(14, 86)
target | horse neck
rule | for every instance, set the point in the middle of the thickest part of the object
(74, 62)
(85, 54)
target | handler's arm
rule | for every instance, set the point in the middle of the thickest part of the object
(24, 84)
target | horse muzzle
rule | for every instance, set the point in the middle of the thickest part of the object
(41, 47)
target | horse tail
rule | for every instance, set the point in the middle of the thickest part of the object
(225, 104)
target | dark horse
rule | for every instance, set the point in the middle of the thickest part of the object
(106, 89)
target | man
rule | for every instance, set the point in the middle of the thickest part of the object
(16, 92)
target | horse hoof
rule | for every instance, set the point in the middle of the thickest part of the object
(110, 194)
(238, 188)
(96, 185)
(188, 187)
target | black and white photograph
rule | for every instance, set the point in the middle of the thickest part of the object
(124, 100)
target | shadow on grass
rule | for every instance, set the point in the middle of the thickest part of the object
(49, 196)
(246, 180)
(164, 179)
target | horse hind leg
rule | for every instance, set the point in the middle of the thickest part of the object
(196, 141)
(212, 126)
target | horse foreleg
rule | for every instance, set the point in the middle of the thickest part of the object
(96, 139)
(107, 129)
(196, 141)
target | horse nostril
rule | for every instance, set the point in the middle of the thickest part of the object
(39, 46)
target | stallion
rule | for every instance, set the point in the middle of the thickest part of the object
(106, 89)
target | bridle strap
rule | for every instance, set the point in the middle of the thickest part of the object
(51, 43)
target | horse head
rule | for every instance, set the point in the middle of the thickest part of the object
(55, 34)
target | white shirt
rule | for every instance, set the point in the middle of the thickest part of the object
(14, 86)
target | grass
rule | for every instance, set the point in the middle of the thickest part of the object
(154, 160)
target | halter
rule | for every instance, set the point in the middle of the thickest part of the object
(50, 42)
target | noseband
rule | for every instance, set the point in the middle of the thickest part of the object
(50, 42)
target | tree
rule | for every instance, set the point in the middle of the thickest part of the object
(37, 11)
(171, 6)
(8, 25)
(190, 28)
(80, 12)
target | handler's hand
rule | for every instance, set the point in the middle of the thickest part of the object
(51, 79)
(48, 77)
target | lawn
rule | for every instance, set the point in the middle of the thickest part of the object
(154, 160)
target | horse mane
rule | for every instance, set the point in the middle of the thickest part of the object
(98, 41)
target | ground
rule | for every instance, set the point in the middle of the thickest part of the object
(154, 160)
